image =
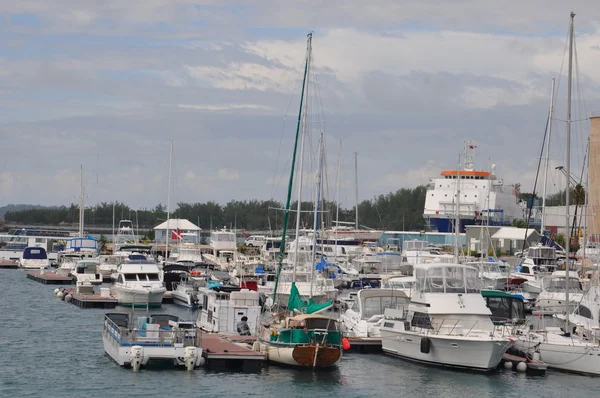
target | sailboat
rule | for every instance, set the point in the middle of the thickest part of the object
(299, 336)
(562, 348)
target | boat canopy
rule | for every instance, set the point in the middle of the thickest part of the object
(446, 278)
(35, 253)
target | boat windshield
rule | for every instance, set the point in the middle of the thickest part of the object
(398, 284)
(376, 305)
(559, 285)
(447, 279)
(289, 277)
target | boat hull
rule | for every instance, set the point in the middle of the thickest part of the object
(565, 356)
(451, 351)
(307, 356)
(138, 298)
(184, 300)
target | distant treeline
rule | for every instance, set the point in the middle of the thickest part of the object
(394, 211)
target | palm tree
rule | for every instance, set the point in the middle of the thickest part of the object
(579, 195)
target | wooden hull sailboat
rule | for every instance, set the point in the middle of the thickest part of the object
(307, 340)
(299, 336)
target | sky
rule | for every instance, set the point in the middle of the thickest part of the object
(107, 85)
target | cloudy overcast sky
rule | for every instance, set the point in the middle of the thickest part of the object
(108, 84)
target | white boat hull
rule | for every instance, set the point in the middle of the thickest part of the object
(138, 297)
(34, 264)
(452, 351)
(121, 354)
(186, 300)
(566, 354)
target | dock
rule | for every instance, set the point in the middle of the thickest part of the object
(50, 278)
(92, 300)
(223, 352)
(365, 345)
(8, 264)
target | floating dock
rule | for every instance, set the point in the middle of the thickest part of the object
(365, 344)
(224, 352)
(50, 278)
(91, 300)
(8, 264)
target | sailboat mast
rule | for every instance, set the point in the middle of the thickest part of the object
(286, 214)
(316, 218)
(81, 204)
(356, 186)
(550, 116)
(568, 170)
(337, 200)
(301, 166)
(457, 219)
(585, 208)
(169, 201)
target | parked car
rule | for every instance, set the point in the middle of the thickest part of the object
(255, 241)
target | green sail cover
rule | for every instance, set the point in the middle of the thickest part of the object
(295, 302)
(313, 307)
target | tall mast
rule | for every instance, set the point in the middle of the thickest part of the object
(356, 186)
(81, 204)
(113, 229)
(568, 170)
(169, 201)
(301, 165)
(550, 116)
(286, 214)
(337, 199)
(316, 218)
(585, 208)
(457, 219)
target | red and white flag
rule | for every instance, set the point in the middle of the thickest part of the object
(176, 234)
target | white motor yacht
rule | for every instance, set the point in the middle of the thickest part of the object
(405, 284)
(552, 298)
(365, 315)
(133, 342)
(34, 258)
(86, 271)
(447, 322)
(138, 284)
(185, 293)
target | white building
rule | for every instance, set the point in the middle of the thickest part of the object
(179, 229)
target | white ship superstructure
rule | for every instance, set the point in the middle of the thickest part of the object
(482, 195)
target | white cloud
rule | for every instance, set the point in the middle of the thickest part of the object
(228, 174)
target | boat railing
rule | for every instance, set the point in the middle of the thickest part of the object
(155, 337)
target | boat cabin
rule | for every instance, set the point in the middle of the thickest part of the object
(446, 278)
(505, 307)
(222, 308)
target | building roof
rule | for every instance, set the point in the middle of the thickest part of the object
(513, 233)
(178, 223)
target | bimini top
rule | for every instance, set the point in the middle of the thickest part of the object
(468, 174)
(446, 278)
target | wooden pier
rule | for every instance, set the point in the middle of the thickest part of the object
(224, 352)
(8, 264)
(50, 278)
(365, 345)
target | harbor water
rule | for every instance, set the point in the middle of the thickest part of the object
(51, 348)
